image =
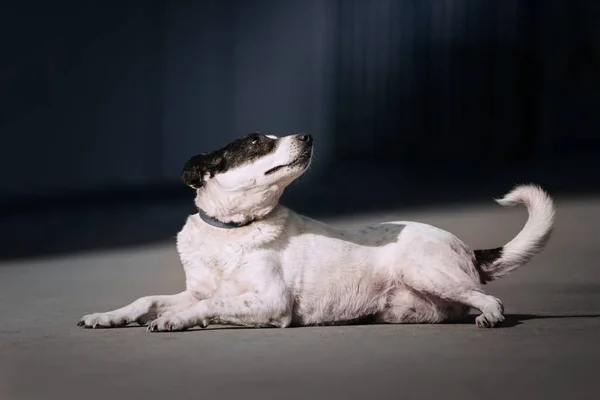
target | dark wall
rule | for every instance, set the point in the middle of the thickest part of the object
(119, 96)
(410, 102)
(447, 80)
(79, 96)
(96, 96)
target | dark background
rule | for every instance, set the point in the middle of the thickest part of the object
(411, 102)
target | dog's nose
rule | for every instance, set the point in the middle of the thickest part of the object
(305, 138)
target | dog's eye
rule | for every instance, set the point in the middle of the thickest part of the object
(255, 140)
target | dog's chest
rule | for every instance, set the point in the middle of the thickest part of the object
(211, 265)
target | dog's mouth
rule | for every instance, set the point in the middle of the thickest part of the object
(302, 159)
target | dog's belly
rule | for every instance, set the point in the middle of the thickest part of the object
(345, 297)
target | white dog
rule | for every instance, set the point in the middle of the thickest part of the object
(249, 261)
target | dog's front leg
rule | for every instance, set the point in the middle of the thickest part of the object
(141, 311)
(250, 309)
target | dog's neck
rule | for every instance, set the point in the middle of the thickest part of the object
(220, 224)
(235, 209)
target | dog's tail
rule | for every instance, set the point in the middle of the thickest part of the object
(495, 263)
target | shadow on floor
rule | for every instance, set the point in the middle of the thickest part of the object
(512, 320)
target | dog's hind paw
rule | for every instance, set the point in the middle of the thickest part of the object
(489, 320)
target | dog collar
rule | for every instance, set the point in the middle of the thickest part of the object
(220, 224)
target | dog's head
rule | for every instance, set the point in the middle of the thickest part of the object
(248, 173)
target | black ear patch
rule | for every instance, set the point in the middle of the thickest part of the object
(196, 169)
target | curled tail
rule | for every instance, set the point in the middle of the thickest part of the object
(495, 263)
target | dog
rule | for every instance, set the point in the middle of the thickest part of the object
(249, 261)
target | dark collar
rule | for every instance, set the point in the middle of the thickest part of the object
(220, 224)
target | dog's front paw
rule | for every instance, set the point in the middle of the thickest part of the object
(101, 320)
(167, 324)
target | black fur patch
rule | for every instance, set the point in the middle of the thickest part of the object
(199, 166)
(239, 152)
(484, 258)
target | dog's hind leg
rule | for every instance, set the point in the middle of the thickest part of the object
(447, 273)
(141, 311)
(491, 307)
(492, 310)
(406, 306)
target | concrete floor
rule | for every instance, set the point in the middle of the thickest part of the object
(549, 349)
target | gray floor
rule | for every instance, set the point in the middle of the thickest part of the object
(549, 349)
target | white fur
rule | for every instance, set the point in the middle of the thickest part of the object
(534, 235)
(286, 269)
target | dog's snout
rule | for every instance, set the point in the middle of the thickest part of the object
(305, 138)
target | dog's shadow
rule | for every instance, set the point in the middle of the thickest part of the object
(512, 320)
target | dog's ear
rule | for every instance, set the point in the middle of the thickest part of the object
(199, 167)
